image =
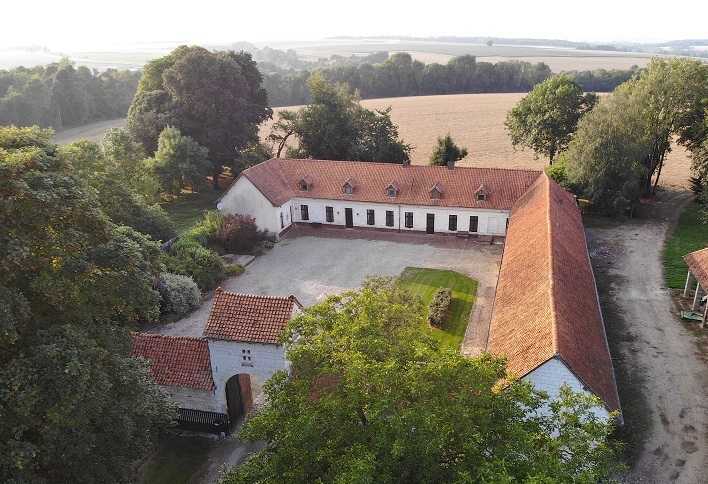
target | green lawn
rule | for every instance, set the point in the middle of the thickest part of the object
(425, 282)
(690, 235)
(176, 460)
(191, 206)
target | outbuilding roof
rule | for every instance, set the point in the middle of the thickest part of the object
(248, 317)
(698, 264)
(546, 305)
(178, 361)
(276, 179)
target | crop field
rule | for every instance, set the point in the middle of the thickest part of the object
(476, 122)
(556, 57)
(559, 59)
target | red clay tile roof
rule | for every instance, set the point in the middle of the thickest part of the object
(698, 263)
(246, 317)
(277, 179)
(546, 304)
(177, 361)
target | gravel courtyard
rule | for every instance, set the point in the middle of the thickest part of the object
(315, 263)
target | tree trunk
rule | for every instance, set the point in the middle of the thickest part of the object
(658, 173)
(215, 173)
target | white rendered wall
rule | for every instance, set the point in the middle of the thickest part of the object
(229, 358)
(244, 198)
(193, 398)
(490, 222)
(552, 374)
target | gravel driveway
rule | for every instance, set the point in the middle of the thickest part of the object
(315, 263)
(660, 373)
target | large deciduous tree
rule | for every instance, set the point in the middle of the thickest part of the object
(334, 126)
(179, 162)
(74, 406)
(671, 95)
(216, 98)
(373, 398)
(606, 158)
(546, 118)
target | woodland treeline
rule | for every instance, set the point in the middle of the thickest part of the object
(63, 95)
(399, 75)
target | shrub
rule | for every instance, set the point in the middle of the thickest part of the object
(437, 311)
(181, 293)
(239, 234)
(235, 270)
(191, 259)
(198, 235)
(212, 221)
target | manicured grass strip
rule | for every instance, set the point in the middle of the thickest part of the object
(176, 460)
(425, 282)
(191, 206)
(690, 235)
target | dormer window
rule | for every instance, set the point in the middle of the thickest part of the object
(392, 190)
(481, 194)
(304, 183)
(349, 186)
(436, 191)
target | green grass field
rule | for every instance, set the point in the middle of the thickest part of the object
(191, 206)
(690, 235)
(425, 282)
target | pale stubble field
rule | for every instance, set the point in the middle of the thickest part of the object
(476, 122)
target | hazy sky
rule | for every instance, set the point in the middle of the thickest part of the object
(72, 24)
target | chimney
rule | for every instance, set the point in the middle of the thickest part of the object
(451, 165)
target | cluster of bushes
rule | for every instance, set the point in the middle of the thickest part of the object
(194, 264)
(179, 294)
(437, 310)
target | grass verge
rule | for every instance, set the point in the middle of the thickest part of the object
(176, 460)
(690, 235)
(425, 282)
(191, 206)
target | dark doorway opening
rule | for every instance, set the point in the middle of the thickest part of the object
(348, 218)
(430, 224)
(239, 397)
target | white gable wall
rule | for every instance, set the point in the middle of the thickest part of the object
(490, 221)
(244, 198)
(551, 375)
(229, 358)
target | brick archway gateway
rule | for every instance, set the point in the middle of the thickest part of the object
(239, 397)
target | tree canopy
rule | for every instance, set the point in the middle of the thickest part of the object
(216, 98)
(336, 127)
(446, 151)
(74, 406)
(545, 119)
(373, 398)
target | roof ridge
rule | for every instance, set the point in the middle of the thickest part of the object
(166, 336)
(551, 262)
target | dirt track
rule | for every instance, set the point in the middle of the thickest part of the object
(661, 374)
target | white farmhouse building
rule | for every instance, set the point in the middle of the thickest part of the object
(432, 199)
(209, 378)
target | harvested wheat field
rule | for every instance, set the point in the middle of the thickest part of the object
(476, 122)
